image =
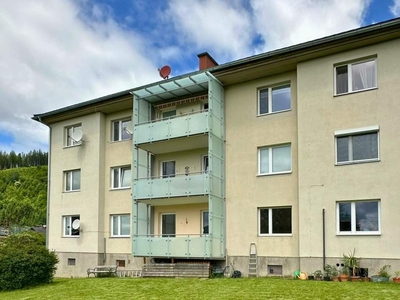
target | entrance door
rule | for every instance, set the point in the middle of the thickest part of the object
(168, 225)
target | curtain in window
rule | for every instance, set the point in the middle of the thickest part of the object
(281, 159)
(365, 146)
(126, 177)
(341, 80)
(264, 161)
(363, 75)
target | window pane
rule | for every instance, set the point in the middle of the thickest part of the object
(74, 231)
(341, 80)
(263, 105)
(282, 220)
(67, 225)
(169, 114)
(126, 177)
(264, 221)
(205, 222)
(124, 134)
(116, 178)
(264, 161)
(365, 146)
(363, 75)
(281, 159)
(168, 169)
(344, 216)
(342, 144)
(281, 98)
(76, 180)
(115, 225)
(168, 225)
(125, 225)
(116, 131)
(367, 216)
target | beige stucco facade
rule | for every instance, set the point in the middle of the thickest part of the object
(232, 135)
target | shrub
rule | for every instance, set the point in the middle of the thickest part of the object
(25, 261)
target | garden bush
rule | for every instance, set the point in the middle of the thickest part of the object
(25, 261)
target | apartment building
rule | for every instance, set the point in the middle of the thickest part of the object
(288, 156)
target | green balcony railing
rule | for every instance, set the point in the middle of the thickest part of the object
(179, 186)
(178, 126)
(188, 246)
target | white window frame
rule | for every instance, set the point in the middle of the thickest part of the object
(353, 219)
(121, 171)
(270, 219)
(270, 158)
(350, 76)
(121, 129)
(119, 217)
(69, 177)
(162, 169)
(270, 99)
(353, 132)
(69, 130)
(161, 225)
(67, 226)
(205, 164)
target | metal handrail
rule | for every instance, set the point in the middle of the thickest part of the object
(173, 117)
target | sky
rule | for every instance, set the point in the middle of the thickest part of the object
(56, 53)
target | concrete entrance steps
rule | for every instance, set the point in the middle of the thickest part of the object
(196, 270)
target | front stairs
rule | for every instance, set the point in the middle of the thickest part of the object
(193, 270)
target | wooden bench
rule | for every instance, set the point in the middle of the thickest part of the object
(106, 270)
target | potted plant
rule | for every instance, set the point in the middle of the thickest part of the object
(344, 273)
(383, 275)
(396, 277)
(352, 262)
(330, 273)
(318, 275)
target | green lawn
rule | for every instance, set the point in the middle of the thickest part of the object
(219, 288)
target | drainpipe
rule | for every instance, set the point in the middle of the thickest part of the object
(323, 239)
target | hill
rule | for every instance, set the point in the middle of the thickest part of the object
(23, 196)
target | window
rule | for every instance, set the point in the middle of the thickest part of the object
(72, 180)
(69, 227)
(357, 145)
(274, 99)
(204, 222)
(71, 261)
(168, 225)
(121, 177)
(168, 169)
(205, 163)
(120, 130)
(275, 221)
(69, 135)
(355, 77)
(358, 217)
(168, 114)
(120, 225)
(276, 159)
(120, 263)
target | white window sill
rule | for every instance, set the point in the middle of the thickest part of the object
(119, 189)
(277, 173)
(73, 191)
(121, 141)
(72, 146)
(71, 236)
(357, 91)
(119, 236)
(274, 112)
(359, 233)
(353, 162)
(276, 235)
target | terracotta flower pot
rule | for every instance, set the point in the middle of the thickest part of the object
(396, 279)
(344, 277)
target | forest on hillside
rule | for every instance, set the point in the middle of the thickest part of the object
(13, 160)
(23, 196)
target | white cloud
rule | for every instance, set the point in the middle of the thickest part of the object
(395, 8)
(53, 56)
(284, 23)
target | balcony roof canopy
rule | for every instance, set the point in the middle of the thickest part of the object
(174, 88)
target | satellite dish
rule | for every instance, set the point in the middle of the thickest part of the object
(129, 128)
(165, 71)
(76, 224)
(77, 135)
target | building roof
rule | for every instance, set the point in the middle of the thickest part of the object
(248, 68)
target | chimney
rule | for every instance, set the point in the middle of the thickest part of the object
(206, 61)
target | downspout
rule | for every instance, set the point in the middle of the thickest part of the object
(323, 240)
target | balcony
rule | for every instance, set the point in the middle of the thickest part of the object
(185, 246)
(179, 186)
(179, 126)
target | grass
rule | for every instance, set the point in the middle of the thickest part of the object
(219, 288)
